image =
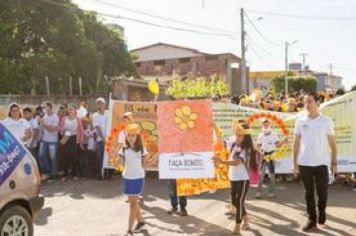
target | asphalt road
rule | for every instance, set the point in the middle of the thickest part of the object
(98, 208)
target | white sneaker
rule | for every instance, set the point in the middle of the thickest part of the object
(271, 195)
(258, 194)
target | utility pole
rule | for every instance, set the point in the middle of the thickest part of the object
(331, 68)
(80, 86)
(70, 86)
(286, 70)
(47, 85)
(304, 55)
(244, 79)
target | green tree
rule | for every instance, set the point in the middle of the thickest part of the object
(295, 84)
(58, 40)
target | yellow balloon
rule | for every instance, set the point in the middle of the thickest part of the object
(153, 87)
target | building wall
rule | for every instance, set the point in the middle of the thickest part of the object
(204, 65)
(162, 52)
(328, 81)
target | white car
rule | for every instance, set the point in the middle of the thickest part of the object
(19, 187)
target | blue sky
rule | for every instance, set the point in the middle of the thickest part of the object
(325, 29)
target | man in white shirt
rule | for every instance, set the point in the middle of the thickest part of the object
(313, 136)
(100, 120)
(49, 123)
(32, 142)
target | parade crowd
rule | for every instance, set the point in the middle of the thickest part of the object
(70, 143)
(65, 143)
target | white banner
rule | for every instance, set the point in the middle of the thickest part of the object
(186, 165)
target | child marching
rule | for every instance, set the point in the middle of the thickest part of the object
(267, 143)
(133, 155)
(242, 157)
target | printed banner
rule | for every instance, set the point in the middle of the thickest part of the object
(185, 139)
(226, 113)
(143, 114)
(11, 153)
(339, 109)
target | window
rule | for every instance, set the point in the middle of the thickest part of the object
(159, 63)
(184, 60)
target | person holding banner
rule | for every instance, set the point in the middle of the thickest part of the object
(133, 156)
(313, 135)
(175, 199)
(267, 142)
(242, 156)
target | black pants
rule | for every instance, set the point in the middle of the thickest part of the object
(315, 178)
(92, 163)
(70, 157)
(174, 198)
(239, 190)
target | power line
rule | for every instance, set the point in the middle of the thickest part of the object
(263, 49)
(166, 18)
(147, 22)
(165, 26)
(259, 57)
(260, 33)
(303, 16)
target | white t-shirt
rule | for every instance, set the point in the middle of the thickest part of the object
(101, 120)
(133, 163)
(70, 126)
(314, 145)
(268, 141)
(51, 120)
(238, 172)
(89, 138)
(34, 126)
(82, 112)
(17, 127)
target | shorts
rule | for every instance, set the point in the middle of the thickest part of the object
(133, 186)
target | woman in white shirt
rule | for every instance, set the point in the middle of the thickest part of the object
(241, 159)
(18, 126)
(133, 154)
(71, 128)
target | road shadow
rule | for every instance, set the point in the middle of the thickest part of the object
(187, 225)
(43, 215)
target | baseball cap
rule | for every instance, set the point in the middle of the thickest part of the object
(100, 100)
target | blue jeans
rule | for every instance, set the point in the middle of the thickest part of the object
(44, 165)
(182, 200)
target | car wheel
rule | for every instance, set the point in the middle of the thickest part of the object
(16, 220)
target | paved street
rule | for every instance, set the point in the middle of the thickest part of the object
(98, 208)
